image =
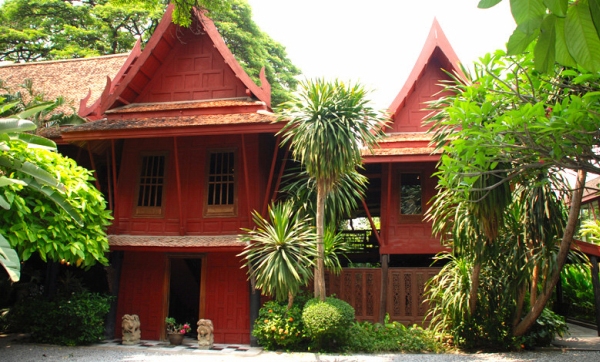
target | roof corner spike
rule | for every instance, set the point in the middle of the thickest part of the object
(83, 109)
(265, 85)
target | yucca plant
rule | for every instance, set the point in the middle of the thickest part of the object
(280, 251)
(327, 126)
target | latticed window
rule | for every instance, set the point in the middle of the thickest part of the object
(410, 194)
(221, 184)
(151, 185)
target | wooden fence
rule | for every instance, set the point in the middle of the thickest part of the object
(404, 297)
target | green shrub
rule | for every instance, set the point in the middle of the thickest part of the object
(280, 328)
(546, 327)
(578, 292)
(74, 320)
(327, 320)
(390, 337)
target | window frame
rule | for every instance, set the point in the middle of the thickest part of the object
(228, 210)
(151, 211)
(411, 217)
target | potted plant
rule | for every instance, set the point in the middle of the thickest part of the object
(176, 331)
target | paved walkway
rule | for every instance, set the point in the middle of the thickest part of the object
(579, 338)
(582, 344)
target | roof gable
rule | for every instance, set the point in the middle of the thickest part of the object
(183, 64)
(407, 109)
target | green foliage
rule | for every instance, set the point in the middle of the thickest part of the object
(326, 323)
(70, 320)
(548, 326)
(563, 31)
(327, 126)
(278, 253)
(391, 337)
(56, 29)
(40, 225)
(29, 169)
(578, 291)
(590, 231)
(278, 327)
(255, 49)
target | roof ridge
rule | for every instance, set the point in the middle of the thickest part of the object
(44, 62)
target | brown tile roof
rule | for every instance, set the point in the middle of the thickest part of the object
(70, 78)
(591, 188)
(188, 241)
(406, 137)
(402, 151)
(149, 107)
(172, 122)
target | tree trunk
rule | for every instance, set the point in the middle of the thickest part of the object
(565, 246)
(320, 266)
(533, 291)
(474, 287)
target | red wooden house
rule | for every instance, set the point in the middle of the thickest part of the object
(400, 187)
(184, 147)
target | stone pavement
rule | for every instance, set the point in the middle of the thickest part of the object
(188, 345)
(579, 339)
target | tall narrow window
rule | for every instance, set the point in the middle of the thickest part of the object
(152, 181)
(410, 194)
(221, 185)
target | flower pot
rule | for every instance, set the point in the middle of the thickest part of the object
(176, 338)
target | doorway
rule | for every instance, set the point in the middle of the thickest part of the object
(185, 290)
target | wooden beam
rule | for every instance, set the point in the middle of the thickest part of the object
(271, 174)
(283, 162)
(385, 261)
(246, 178)
(596, 287)
(178, 180)
(108, 182)
(114, 179)
(93, 166)
(373, 226)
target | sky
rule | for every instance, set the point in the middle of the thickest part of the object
(377, 42)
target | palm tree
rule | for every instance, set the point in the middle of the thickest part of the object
(279, 252)
(328, 124)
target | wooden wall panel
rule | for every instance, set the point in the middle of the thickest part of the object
(407, 234)
(192, 157)
(193, 70)
(411, 116)
(227, 298)
(141, 292)
(361, 288)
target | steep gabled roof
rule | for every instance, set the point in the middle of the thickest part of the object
(158, 51)
(71, 79)
(436, 40)
(406, 139)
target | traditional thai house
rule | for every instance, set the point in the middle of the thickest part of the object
(184, 146)
(400, 187)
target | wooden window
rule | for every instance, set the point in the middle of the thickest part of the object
(151, 186)
(221, 196)
(411, 194)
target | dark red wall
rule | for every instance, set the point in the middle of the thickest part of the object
(410, 117)
(192, 158)
(406, 234)
(192, 70)
(227, 298)
(141, 292)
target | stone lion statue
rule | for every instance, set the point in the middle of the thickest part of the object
(130, 327)
(206, 337)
